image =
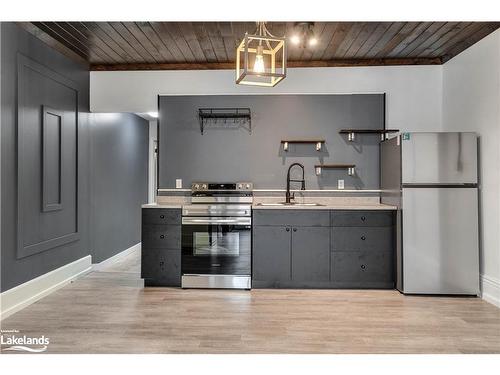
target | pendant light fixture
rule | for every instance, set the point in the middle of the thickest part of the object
(261, 58)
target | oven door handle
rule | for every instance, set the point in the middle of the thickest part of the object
(216, 220)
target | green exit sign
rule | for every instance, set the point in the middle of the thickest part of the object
(406, 136)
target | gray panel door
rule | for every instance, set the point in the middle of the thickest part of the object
(439, 158)
(310, 254)
(440, 241)
(271, 253)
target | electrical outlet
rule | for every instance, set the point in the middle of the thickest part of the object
(178, 183)
(340, 184)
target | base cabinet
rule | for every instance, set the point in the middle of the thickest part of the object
(161, 247)
(323, 249)
(271, 255)
(310, 254)
(362, 269)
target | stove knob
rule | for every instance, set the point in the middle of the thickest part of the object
(196, 186)
(240, 186)
(205, 186)
(248, 186)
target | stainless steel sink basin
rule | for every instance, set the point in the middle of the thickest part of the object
(290, 204)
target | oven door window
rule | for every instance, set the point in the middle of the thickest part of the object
(216, 242)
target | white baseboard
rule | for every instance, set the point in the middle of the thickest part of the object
(17, 298)
(490, 290)
(116, 257)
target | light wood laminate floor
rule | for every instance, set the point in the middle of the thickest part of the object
(110, 312)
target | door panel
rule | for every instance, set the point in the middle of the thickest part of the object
(161, 264)
(310, 254)
(271, 254)
(445, 158)
(362, 238)
(440, 240)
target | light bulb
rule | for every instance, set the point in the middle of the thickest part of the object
(313, 41)
(258, 66)
(295, 39)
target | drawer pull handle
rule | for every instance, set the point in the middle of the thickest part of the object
(363, 238)
(295, 229)
(162, 236)
(363, 266)
(363, 218)
(162, 216)
(288, 229)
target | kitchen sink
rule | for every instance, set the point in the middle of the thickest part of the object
(290, 204)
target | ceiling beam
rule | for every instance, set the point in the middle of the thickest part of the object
(290, 64)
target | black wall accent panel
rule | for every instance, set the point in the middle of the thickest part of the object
(43, 225)
(52, 135)
(232, 154)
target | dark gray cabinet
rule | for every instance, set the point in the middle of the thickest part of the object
(310, 254)
(291, 248)
(323, 249)
(161, 247)
(363, 248)
(271, 256)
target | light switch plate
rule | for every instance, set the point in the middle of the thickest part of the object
(340, 184)
(178, 183)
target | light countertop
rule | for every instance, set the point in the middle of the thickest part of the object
(161, 205)
(353, 206)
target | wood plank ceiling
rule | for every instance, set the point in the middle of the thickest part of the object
(211, 45)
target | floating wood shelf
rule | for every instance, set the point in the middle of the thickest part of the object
(318, 142)
(229, 117)
(351, 132)
(350, 168)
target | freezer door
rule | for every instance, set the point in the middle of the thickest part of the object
(439, 158)
(440, 241)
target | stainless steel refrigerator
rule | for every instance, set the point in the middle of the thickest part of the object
(432, 178)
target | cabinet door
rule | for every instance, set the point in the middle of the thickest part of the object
(161, 236)
(310, 254)
(365, 269)
(271, 254)
(162, 265)
(362, 239)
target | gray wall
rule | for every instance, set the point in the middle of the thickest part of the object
(17, 265)
(49, 78)
(119, 160)
(235, 155)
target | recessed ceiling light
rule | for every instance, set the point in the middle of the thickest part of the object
(295, 39)
(313, 41)
(153, 114)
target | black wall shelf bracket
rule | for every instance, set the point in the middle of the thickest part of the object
(225, 118)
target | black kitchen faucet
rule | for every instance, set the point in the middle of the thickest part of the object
(288, 196)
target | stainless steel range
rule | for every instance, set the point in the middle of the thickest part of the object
(216, 236)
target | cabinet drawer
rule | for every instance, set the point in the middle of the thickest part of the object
(161, 236)
(160, 264)
(161, 216)
(362, 239)
(362, 267)
(290, 217)
(355, 218)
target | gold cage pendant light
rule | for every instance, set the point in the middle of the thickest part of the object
(261, 58)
